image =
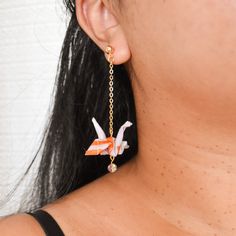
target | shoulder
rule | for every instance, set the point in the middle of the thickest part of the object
(91, 209)
(20, 224)
(85, 211)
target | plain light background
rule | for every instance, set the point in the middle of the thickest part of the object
(31, 35)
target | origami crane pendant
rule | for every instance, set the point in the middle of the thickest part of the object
(108, 145)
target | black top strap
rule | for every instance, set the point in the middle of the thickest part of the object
(47, 222)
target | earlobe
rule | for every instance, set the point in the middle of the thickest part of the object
(100, 24)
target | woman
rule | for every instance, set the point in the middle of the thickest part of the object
(181, 60)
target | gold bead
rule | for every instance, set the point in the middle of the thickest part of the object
(109, 49)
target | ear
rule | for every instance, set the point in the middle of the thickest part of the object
(96, 18)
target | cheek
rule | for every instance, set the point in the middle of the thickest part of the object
(190, 46)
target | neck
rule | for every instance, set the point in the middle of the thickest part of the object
(186, 163)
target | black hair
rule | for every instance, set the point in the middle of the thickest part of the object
(80, 93)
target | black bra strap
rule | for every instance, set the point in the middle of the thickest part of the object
(47, 222)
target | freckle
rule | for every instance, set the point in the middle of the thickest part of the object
(201, 188)
(174, 153)
(164, 124)
(225, 212)
(179, 221)
(228, 172)
(233, 229)
(210, 224)
(222, 162)
(217, 145)
(213, 167)
(157, 159)
(162, 174)
(164, 167)
(195, 192)
(197, 146)
(167, 185)
(219, 221)
(181, 172)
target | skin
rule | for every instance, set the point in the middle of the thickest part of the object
(182, 59)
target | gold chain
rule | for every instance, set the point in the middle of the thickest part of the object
(111, 99)
(109, 50)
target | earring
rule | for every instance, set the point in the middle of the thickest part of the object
(109, 145)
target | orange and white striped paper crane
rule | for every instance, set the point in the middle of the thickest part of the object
(108, 145)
